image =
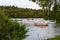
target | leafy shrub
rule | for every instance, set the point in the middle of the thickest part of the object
(11, 30)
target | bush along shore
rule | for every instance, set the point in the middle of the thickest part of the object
(11, 30)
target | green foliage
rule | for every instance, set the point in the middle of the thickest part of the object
(58, 14)
(55, 13)
(11, 30)
(15, 12)
(43, 3)
(55, 38)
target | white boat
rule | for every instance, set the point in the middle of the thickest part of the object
(42, 23)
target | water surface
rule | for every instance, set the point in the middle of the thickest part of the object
(40, 33)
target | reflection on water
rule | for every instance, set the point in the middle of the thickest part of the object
(39, 33)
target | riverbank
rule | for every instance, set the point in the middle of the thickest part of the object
(55, 38)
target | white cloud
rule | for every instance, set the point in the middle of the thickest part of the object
(20, 3)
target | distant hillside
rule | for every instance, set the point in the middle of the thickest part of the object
(13, 11)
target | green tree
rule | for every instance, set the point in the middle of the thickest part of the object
(11, 30)
(47, 4)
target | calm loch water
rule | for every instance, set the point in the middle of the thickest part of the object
(41, 32)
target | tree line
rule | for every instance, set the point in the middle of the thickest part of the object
(15, 12)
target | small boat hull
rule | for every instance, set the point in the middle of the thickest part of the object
(41, 24)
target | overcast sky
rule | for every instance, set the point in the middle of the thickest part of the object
(20, 3)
